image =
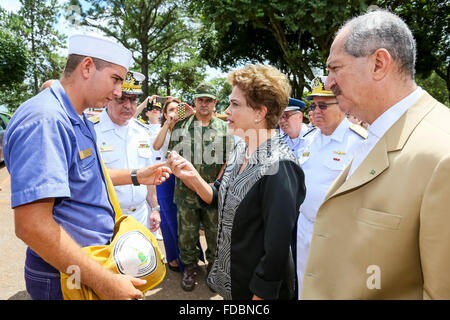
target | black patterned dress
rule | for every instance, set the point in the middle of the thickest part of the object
(258, 210)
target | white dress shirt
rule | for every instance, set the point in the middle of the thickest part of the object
(381, 125)
(126, 147)
(322, 160)
(297, 143)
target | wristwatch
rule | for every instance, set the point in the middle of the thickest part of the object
(134, 177)
(157, 208)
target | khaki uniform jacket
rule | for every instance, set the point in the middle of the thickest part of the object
(385, 232)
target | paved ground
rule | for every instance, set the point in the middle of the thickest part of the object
(12, 258)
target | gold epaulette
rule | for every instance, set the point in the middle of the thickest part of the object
(359, 130)
(141, 123)
(94, 119)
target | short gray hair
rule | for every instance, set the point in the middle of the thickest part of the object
(382, 29)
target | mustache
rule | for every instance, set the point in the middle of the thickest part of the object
(336, 90)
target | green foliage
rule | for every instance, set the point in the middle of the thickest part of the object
(148, 28)
(223, 91)
(33, 29)
(35, 23)
(177, 72)
(429, 21)
(293, 35)
(15, 95)
(14, 59)
(435, 86)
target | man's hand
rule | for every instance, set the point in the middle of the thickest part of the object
(121, 287)
(154, 174)
(155, 220)
(35, 225)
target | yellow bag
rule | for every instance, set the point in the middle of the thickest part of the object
(133, 251)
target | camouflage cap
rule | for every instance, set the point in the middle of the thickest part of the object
(205, 90)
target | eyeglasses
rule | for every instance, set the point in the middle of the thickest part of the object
(123, 99)
(286, 116)
(322, 105)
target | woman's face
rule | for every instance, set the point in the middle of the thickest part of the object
(242, 119)
(154, 115)
(171, 108)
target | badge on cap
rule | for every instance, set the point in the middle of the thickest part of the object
(318, 88)
(133, 83)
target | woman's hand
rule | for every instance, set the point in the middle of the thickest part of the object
(180, 167)
(189, 111)
(185, 171)
(172, 118)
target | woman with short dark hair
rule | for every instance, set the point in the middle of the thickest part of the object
(258, 194)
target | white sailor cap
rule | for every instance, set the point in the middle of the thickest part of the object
(295, 104)
(97, 46)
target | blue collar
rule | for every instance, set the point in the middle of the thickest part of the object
(87, 128)
(60, 94)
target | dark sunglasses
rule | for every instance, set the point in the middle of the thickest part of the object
(322, 105)
(123, 99)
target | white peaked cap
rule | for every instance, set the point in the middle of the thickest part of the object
(97, 46)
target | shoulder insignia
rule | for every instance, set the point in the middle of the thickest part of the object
(140, 123)
(311, 130)
(359, 130)
(94, 119)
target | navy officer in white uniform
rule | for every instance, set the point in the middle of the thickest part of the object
(124, 142)
(292, 128)
(329, 147)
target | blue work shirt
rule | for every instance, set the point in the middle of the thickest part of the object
(50, 152)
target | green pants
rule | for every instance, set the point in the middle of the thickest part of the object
(189, 219)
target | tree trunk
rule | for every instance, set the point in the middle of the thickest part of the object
(168, 85)
(33, 51)
(144, 68)
(446, 77)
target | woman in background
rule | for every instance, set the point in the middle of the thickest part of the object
(164, 191)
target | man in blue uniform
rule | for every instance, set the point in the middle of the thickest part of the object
(58, 189)
(291, 125)
(124, 142)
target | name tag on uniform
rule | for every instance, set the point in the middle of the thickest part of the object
(102, 149)
(85, 153)
(339, 153)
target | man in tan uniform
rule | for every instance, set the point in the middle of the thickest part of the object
(383, 229)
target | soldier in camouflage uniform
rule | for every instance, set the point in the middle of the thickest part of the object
(201, 139)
